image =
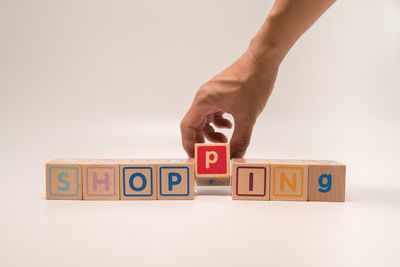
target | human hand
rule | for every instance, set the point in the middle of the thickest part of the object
(241, 90)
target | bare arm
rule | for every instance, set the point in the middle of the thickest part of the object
(243, 88)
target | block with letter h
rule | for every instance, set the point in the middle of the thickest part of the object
(175, 178)
(289, 180)
(212, 164)
(250, 179)
(64, 179)
(326, 180)
(100, 179)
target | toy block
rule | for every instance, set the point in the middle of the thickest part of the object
(101, 179)
(175, 178)
(289, 180)
(64, 179)
(250, 179)
(138, 179)
(326, 180)
(212, 164)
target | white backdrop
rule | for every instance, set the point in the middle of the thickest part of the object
(114, 78)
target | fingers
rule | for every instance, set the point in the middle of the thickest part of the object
(214, 136)
(241, 136)
(220, 122)
(192, 127)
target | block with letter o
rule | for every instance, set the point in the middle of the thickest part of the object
(138, 180)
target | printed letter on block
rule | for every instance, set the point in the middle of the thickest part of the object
(326, 180)
(212, 164)
(250, 179)
(175, 179)
(289, 180)
(138, 179)
(101, 180)
(64, 179)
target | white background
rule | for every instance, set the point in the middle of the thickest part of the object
(114, 78)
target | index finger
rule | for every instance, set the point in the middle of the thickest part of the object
(192, 126)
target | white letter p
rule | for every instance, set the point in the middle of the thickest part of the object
(208, 159)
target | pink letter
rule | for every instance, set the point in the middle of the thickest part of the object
(96, 181)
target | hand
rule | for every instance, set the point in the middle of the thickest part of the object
(241, 90)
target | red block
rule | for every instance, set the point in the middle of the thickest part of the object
(212, 164)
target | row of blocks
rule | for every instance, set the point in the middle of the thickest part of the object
(114, 179)
(252, 179)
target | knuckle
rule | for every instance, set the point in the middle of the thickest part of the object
(204, 94)
(182, 124)
(240, 144)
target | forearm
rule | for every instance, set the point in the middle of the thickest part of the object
(286, 22)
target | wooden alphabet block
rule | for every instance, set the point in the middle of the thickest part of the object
(250, 179)
(101, 179)
(289, 180)
(326, 180)
(212, 164)
(64, 179)
(138, 179)
(175, 178)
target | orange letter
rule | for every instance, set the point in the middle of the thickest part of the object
(292, 185)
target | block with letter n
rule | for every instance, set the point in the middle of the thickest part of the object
(289, 180)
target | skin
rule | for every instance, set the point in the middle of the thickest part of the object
(244, 88)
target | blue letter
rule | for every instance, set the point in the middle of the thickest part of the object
(325, 187)
(65, 182)
(170, 180)
(144, 181)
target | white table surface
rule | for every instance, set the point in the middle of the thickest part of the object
(212, 230)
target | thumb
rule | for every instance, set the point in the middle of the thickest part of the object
(241, 136)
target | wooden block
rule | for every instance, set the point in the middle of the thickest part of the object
(64, 179)
(101, 179)
(326, 180)
(250, 179)
(175, 178)
(138, 179)
(289, 180)
(212, 164)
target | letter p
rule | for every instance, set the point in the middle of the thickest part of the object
(209, 160)
(171, 181)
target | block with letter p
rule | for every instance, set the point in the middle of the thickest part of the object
(289, 180)
(101, 179)
(212, 164)
(64, 179)
(175, 178)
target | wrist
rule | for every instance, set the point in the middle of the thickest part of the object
(268, 45)
(265, 53)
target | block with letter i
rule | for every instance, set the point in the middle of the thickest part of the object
(138, 179)
(326, 180)
(64, 179)
(175, 178)
(289, 180)
(212, 164)
(101, 179)
(250, 179)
